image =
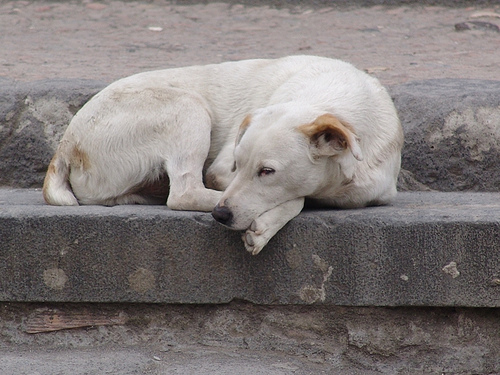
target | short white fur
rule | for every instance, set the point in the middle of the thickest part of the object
(326, 130)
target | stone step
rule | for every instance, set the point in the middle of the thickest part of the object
(451, 130)
(427, 249)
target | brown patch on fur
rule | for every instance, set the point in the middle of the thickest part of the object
(243, 127)
(331, 128)
(79, 158)
(52, 168)
(51, 171)
(245, 123)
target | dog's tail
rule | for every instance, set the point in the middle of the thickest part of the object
(56, 188)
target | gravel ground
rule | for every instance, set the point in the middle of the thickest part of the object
(111, 39)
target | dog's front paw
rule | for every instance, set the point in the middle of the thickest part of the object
(255, 239)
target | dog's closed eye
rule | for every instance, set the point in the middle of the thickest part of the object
(265, 171)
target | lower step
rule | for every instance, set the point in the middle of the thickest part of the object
(247, 339)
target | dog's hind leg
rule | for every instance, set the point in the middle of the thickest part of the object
(187, 191)
(184, 162)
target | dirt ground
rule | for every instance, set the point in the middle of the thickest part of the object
(107, 40)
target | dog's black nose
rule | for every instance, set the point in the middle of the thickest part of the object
(222, 214)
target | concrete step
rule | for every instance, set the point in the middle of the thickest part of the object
(198, 360)
(450, 125)
(427, 249)
(243, 338)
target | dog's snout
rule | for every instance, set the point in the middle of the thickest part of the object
(222, 214)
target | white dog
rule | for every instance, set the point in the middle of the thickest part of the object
(252, 138)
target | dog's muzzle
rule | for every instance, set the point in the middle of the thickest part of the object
(223, 215)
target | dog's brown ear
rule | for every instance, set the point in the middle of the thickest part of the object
(329, 136)
(243, 128)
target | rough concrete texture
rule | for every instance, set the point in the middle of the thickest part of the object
(451, 130)
(428, 249)
(33, 118)
(245, 339)
(452, 133)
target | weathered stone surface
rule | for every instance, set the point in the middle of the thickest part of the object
(428, 249)
(452, 131)
(246, 339)
(33, 117)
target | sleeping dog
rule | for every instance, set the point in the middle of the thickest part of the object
(247, 140)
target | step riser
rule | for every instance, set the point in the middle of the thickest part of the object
(451, 130)
(399, 255)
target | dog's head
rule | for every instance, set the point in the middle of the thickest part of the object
(283, 153)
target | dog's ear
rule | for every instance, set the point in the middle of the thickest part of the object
(243, 128)
(329, 137)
